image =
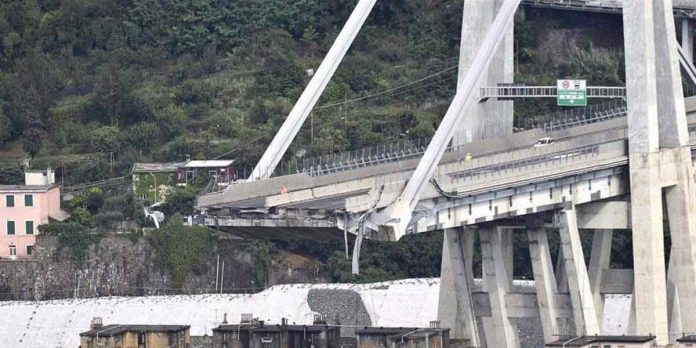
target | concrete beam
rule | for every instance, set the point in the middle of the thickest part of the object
(579, 287)
(617, 281)
(455, 306)
(522, 306)
(614, 215)
(501, 332)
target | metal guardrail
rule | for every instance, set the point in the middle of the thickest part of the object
(550, 157)
(685, 8)
(364, 157)
(411, 149)
(576, 116)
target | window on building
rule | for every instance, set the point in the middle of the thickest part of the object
(13, 250)
(142, 341)
(10, 227)
(9, 201)
(28, 200)
(29, 225)
(30, 249)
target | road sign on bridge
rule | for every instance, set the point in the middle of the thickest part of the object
(571, 92)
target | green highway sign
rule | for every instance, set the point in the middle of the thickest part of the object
(571, 93)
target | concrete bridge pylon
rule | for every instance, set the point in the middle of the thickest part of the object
(492, 118)
(660, 167)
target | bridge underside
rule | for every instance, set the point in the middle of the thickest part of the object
(319, 229)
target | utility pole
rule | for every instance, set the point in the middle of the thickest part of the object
(311, 126)
(345, 113)
(217, 271)
(222, 276)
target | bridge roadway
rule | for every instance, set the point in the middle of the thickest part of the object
(506, 178)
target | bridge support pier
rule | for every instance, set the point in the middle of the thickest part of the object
(681, 212)
(500, 331)
(544, 281)
(455, 307)
(600, 256)
(581, 297)
(659, 162)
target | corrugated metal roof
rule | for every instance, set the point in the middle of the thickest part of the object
(209, 164)
(275, 328)
(115, 329)
(156, 167)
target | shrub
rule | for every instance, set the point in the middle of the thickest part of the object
(181, 248)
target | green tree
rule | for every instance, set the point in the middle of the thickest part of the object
(181, 201)
(142, 135)
(106, 139)
(6, 128)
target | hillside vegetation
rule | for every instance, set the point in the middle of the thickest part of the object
(92, 86)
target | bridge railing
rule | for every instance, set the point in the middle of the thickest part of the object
(406, 149)
(399, 150)
(572, 117)
(681, 7)
(488, 170)
(546, 92)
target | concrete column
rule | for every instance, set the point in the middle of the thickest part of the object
(641, 92)
(640, 21)
(544, 281)
(503, 333)
(687, 42)
(681, 210)
(455, 307)
(599, 261)
(507, 237)
(584, 312)
(670, 99)
(648, 247)
(492, 118)
(561, 279)
(673, 308)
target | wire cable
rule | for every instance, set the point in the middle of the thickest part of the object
(388, 90)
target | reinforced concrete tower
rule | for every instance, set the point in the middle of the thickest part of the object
(660, 166)
(491, 118)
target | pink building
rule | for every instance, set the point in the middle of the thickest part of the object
(22, 209)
